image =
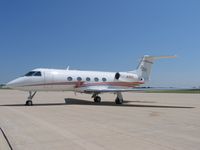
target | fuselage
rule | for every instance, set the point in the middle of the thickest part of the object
(70, 80)
(89, 82)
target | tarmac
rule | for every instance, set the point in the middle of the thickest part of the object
(145, 121)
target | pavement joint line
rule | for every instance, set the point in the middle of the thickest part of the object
(8, 142)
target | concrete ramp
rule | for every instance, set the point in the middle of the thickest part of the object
(4, 143)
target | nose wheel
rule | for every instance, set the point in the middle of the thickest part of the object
(29, 102)
(118, 101)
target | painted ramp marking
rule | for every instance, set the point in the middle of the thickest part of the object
(4, 142)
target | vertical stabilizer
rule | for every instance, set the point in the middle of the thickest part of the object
(145, 65)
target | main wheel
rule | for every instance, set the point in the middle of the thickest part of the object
(29, 103)
(118, 100)
(97, 99)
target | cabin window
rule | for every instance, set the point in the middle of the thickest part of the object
(69, 79)
(96, 79)
(79, 78)
(104, 79)
(88, 79)
(37, 74)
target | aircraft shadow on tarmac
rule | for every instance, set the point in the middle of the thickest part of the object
(72, 101)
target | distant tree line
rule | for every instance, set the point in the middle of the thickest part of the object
(1, 85)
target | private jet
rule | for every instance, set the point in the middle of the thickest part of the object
(89, 82)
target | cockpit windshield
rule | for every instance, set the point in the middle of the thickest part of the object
(33, 73)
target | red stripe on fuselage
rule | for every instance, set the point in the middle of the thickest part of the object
(86, 84)
(128, 84)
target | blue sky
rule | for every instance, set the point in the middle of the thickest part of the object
(106, 35)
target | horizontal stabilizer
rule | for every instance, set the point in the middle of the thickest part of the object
(159, 57)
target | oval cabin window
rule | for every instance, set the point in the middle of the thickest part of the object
(69, 79)
(79, 78)
(87, 79)
(96, 79)
(104, 79)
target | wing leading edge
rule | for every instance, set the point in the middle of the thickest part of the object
(105, 89)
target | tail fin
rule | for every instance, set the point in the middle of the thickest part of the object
(145, 65)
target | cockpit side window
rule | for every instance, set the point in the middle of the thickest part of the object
(33, 73)
(37, 74)
(29, 73)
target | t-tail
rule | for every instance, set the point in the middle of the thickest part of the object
(145, 66)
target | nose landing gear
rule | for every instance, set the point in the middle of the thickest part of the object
(29, 101)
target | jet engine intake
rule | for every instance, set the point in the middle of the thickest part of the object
(126, 76)
(117, 76)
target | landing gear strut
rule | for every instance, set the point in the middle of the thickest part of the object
(97, 99)
(29, 101)
(119, 98)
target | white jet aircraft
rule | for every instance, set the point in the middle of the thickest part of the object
(89, 82)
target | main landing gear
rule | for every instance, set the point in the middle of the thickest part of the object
(29, 101)
(97, 99)
(118, 100)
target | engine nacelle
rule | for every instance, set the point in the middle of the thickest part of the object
(125, 76)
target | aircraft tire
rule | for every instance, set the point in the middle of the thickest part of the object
(97, 99)
(29, 103)
(118, 101)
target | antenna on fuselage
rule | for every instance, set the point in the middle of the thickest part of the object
(67, 68)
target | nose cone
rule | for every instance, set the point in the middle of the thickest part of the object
(14, 83)
(11, 84)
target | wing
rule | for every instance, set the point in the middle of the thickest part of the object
(108, 89)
